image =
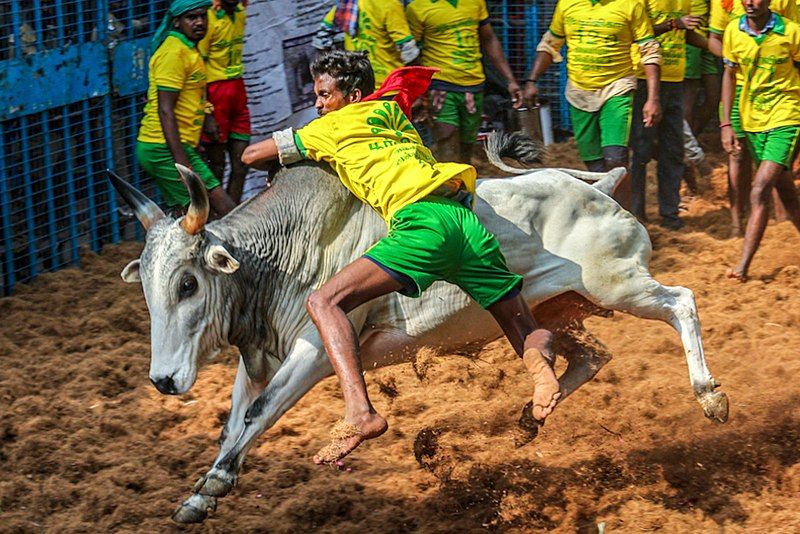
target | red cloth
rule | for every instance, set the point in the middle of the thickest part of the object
(410, 84)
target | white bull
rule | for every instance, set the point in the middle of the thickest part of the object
(243, 281)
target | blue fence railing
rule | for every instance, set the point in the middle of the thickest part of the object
(65, 116)
(73, 78)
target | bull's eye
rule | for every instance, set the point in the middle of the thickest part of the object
(188, 286)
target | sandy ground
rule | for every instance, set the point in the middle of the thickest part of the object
(89, 445)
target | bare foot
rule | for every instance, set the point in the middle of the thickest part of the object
(736, 275)
(346, 436)
(546, 389)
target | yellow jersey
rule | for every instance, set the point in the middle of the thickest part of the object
(771, 83)
(379, 156)
(725, 11)
(599, 38)
(176, 66)
(700, 8)
(672, 44)
(382, 30)
(223, 44)
(448, 33)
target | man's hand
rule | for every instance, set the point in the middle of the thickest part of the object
(651, 113)
(729, 141)
(530, 93)
(515, 92)
(211, 128)
(688, 22)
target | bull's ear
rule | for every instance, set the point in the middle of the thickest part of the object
(220, 260)
(131, 272)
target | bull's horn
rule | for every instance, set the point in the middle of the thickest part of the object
(145, 209)
(197, 215)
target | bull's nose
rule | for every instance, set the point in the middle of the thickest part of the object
(165, 385)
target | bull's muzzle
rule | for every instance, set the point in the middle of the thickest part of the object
(165, 385)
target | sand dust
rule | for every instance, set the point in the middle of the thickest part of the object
(89, 445)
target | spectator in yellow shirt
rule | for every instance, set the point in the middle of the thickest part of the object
(672, 25)
(433, 234)
(762, 49)
(377, 27)
(601, 75)
(740, 163)
(221, 50)
(453, 36)
(176, 107)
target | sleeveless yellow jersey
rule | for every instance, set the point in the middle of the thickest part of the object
(176, 66)
(599, 38)
(223, 44)
(770, 81)
(382, 28)
(379, 156)
(447, 31)
(672, 44)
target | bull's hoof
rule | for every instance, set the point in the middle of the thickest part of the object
(715, 405)
(216, 483)
(527, 426)
(195, 509)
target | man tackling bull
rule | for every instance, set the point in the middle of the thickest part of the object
(433, 234)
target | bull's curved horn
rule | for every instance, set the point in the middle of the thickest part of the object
(197, 215)
(145, 209)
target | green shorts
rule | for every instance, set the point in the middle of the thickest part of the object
(437, 238)
(736, 120)
(609, 126)
(699, 63)
(454, 112)
(777, 145)
(157, 161)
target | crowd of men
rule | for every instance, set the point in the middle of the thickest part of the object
(644, 79)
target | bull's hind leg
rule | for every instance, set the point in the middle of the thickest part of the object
(676, 307)
(586, 355)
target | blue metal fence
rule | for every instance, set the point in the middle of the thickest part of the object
(64, 119)
(520, 25)
(73, 77)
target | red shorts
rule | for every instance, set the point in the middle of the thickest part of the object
(229, 98)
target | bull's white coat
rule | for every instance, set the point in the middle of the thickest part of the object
(255, 268)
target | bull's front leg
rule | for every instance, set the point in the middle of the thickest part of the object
(245, 390)
(305, 365)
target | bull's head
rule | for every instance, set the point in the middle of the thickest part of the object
(179, 272)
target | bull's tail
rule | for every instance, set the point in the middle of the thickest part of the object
(522, 148)
(517, 146)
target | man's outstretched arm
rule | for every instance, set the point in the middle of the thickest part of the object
(259, 155)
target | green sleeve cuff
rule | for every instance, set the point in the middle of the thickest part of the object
(404, 40)
(554, 34)
(170, 89)
(300, 146)
(645, 39)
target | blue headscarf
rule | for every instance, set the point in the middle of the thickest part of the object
(176, 9)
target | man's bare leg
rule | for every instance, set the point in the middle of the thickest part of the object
(446, 146)
(239, 170)
(533, 345)
(359, 282)
(787, 192)
(216, 159)
(221, 203)
(739, 181)
(766, 176)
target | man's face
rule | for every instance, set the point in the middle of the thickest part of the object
(230, 3)
(329, 97)
(193, 24)
(755, 8)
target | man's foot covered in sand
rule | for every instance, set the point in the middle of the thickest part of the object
(546, 389)
(735, 274)
(346, 436)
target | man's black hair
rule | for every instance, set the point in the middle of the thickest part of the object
(351, 70)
